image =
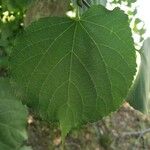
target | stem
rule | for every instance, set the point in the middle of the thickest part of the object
(80, 6)
(86, 3)
(78, 12)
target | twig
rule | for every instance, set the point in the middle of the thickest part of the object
(81, 2)
(138, 133)
(75, 144)
(86, 3)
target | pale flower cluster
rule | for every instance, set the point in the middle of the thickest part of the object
(7, 17)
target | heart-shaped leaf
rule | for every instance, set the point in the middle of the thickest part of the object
(76, 70)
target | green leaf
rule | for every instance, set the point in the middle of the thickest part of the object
(4, 62)
(14, 5)
(13, 117)
(8, 31)
(75, 71)
(96, 2)
(129, 2)
(139, 97)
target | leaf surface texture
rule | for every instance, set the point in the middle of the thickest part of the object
(76, 71)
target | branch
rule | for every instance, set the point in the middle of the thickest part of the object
(138, 133)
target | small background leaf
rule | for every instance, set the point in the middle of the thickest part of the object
(15, 5)
(139, 97)
(13, 117)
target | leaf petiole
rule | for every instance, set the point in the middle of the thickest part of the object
(81, 2)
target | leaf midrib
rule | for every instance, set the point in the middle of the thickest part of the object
(71, 57)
